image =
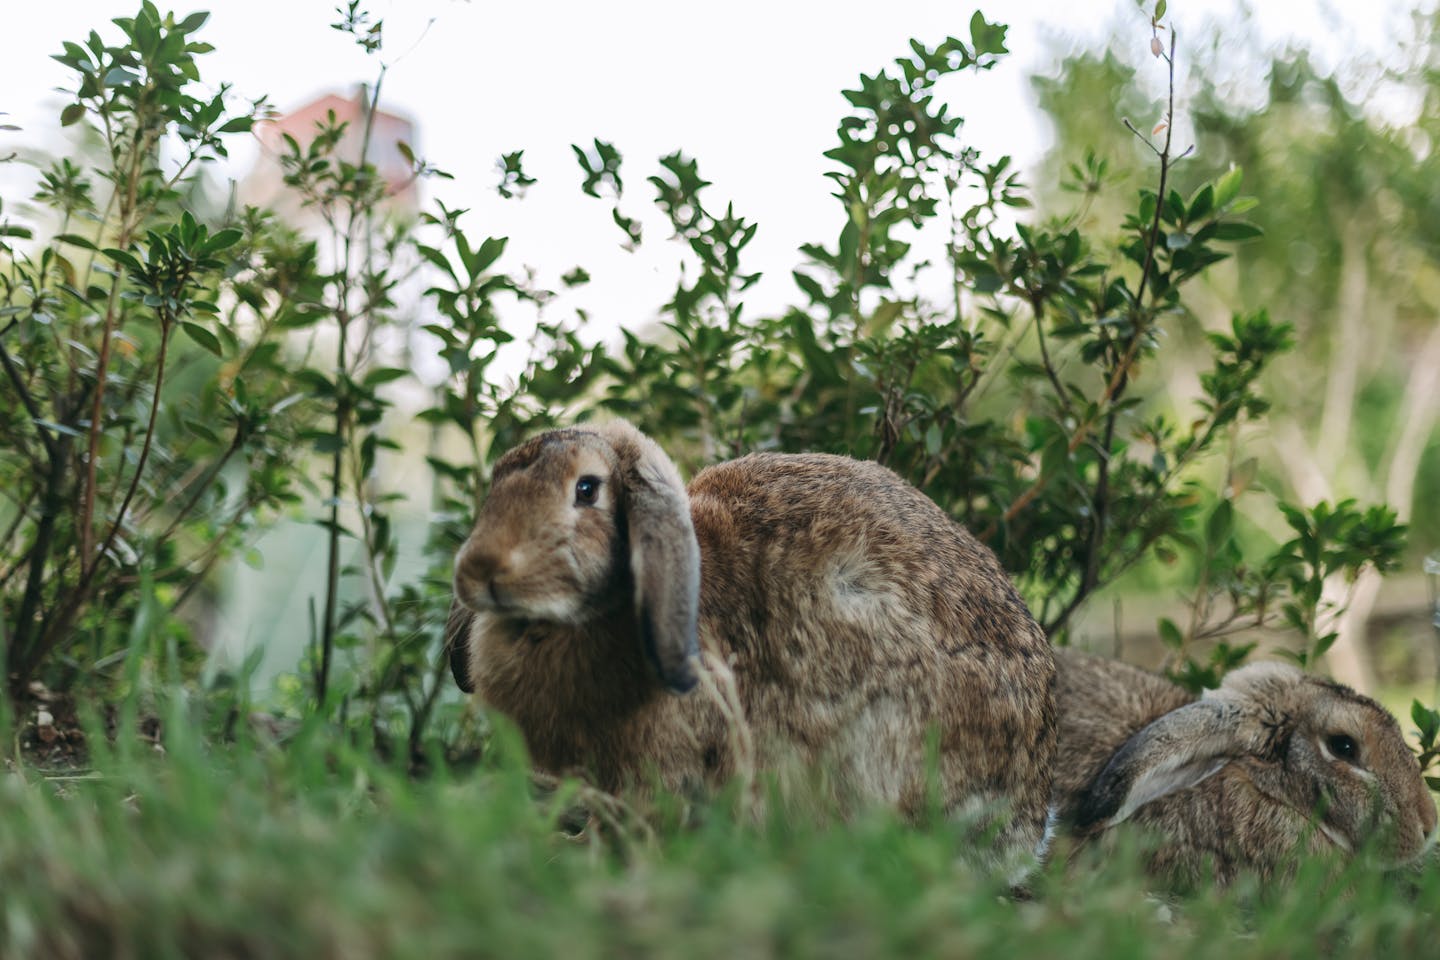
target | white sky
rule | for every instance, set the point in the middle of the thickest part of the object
(752, 89)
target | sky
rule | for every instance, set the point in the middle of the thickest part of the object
(750, 88)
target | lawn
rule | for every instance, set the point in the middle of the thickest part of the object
(312, 847)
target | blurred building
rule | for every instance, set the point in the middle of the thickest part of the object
(264, 185)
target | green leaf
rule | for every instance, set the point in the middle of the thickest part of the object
(437, 258)
(1236, 230)
(220, 241)
(1146, 212)
(125, 259)
(1220, 524)
(202, 336)
(75, 240)
(1201, 203)
(58, 428)
(818, 360)
(490, 250)
(987, 37)
(1427, 720)
(196, 20)
(932, 439)
(1159, 9)
(324, 442)
(202, 430)
(384, 375)
(71, 114)
(119, 76)
(1227, 188)
(1170, 634)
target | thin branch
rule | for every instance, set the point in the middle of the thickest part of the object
(1119, 377)
(102, 363)
(202, 486)
(89, 571)
(20, 658)
(22, 513)
(1060, 393)
(342, 410)
(367, 530)
(421, 718)
(211, 554)
(31, 407)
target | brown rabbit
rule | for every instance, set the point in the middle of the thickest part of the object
(850, 616)
(1274, 763)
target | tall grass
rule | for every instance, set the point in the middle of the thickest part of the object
(315, 848)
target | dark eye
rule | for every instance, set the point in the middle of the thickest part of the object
(1343, 746)
(587, 491)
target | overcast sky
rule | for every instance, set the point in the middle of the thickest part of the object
(752, 89)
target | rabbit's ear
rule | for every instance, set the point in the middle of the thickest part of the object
(1176, 751)
(664, 556)
(457, 644)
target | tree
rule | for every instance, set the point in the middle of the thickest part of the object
(1347, 256)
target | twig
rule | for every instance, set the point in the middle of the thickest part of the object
(1118, 380)
(31, 407)
(102, 363)
(421, 719)
(89, 570)
(343, 318)
(1037, 305)
(202, 486)
(211, 554)
(21, 659)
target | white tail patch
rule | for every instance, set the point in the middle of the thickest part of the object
(860, 590)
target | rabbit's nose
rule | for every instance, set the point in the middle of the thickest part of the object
(479, 564)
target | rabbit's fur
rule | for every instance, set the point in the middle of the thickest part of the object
(865, 632)
(1241, 779)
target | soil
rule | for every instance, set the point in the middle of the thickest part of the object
(50, 735)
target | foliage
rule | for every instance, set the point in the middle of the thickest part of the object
(1346, 258)
(126, 451)
(1023, 399)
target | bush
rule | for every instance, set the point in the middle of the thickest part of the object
(148, 419)
(1025, 403)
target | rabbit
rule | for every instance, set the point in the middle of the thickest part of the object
(1274, 763)
(859, 629)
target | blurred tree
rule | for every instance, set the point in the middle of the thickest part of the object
(1350, 256)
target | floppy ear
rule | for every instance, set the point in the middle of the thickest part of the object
(457, 644)
(664, 556)
(1176, 751)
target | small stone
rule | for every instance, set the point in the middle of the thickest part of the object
(45, 730)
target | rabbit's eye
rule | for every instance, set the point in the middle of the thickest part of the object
(1343, 746)
(587, 491)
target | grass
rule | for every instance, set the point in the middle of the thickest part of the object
(317, 849)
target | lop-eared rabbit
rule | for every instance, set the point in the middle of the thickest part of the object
(1272, 764)
(859, 629)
